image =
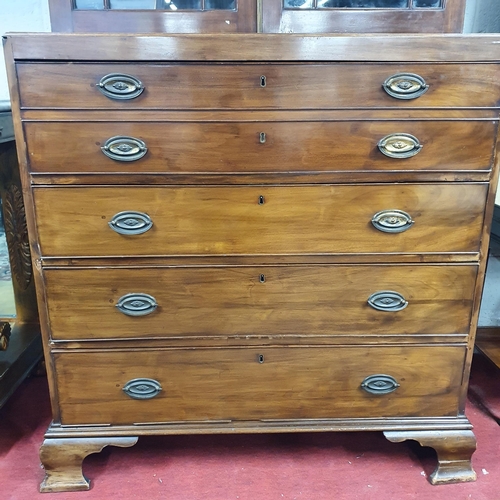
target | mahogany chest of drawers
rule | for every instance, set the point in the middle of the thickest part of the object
(256, 233)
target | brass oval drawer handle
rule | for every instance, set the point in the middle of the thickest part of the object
(136, 304)
(392, 221)
(399, 145)
(124, 148)
(379, 384)
(130, 223)
(405, 86)
(387, 300)
(142, 388)
(120, 87)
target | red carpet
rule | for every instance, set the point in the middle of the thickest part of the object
(313, 466)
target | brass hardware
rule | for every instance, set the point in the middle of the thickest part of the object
(130, 223)
(399, 145)
(379, 384)
(120, 86)
(136, 304)
(142, 388)
(392, 221)
(262, 278)
(5, 332)
(124, 148)
(262, 137)
(405, 86)
(262, 200)
(388, 301)
(260, 358)
(263, 81)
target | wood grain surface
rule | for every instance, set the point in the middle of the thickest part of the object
(236, 147)
(293, 300)
(229, 220)
(405, 48)
(231, 384)
(237, 86)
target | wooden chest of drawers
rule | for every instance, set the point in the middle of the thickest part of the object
(257, 233)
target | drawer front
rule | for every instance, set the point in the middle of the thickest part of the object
(257, 384)
(297, 301)
(251, 220)
(254, 86)
(257, 147)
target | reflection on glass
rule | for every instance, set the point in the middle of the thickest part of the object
(220, 4)
(89, 4)
(363, 4)
(132, 4)
(299, 4)
(427, 3)
(181, 4)
(7, 303)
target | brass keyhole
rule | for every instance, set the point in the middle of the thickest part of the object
(262, 278)
(262, 137)
(260, 358)
(262, 81)
(261, 200)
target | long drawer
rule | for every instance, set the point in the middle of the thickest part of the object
(259, 220)
(259, 147)
(254, 86)
(259, 301)
(257, 384)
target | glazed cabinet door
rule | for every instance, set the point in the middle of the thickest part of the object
(153, 16)
(250, 16)
(362, 16)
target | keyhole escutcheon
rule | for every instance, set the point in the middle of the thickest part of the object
(260, 358)
(261, 200)
(262, 137)
(262, 278)
(262, 81)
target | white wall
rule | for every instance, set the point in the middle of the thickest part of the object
(482, 16)
(20, 15)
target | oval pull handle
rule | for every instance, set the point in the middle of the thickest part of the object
(136, 304)
(130, 223)
(120, 87)
(387, 300)
(392, 221)
(399, 145)
(405, 86)
(142, 388)
(379, 384)
(124, 148)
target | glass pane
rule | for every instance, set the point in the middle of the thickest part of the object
(363, 4)
(220, 4)
(7, 304)
(182, 4)
(299, 4)
(89, 4)
(132, 4)
(427, 3)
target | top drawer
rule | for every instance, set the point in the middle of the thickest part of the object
(257, 86)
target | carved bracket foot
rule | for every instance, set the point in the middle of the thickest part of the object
(62, 460)
(454, 451)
